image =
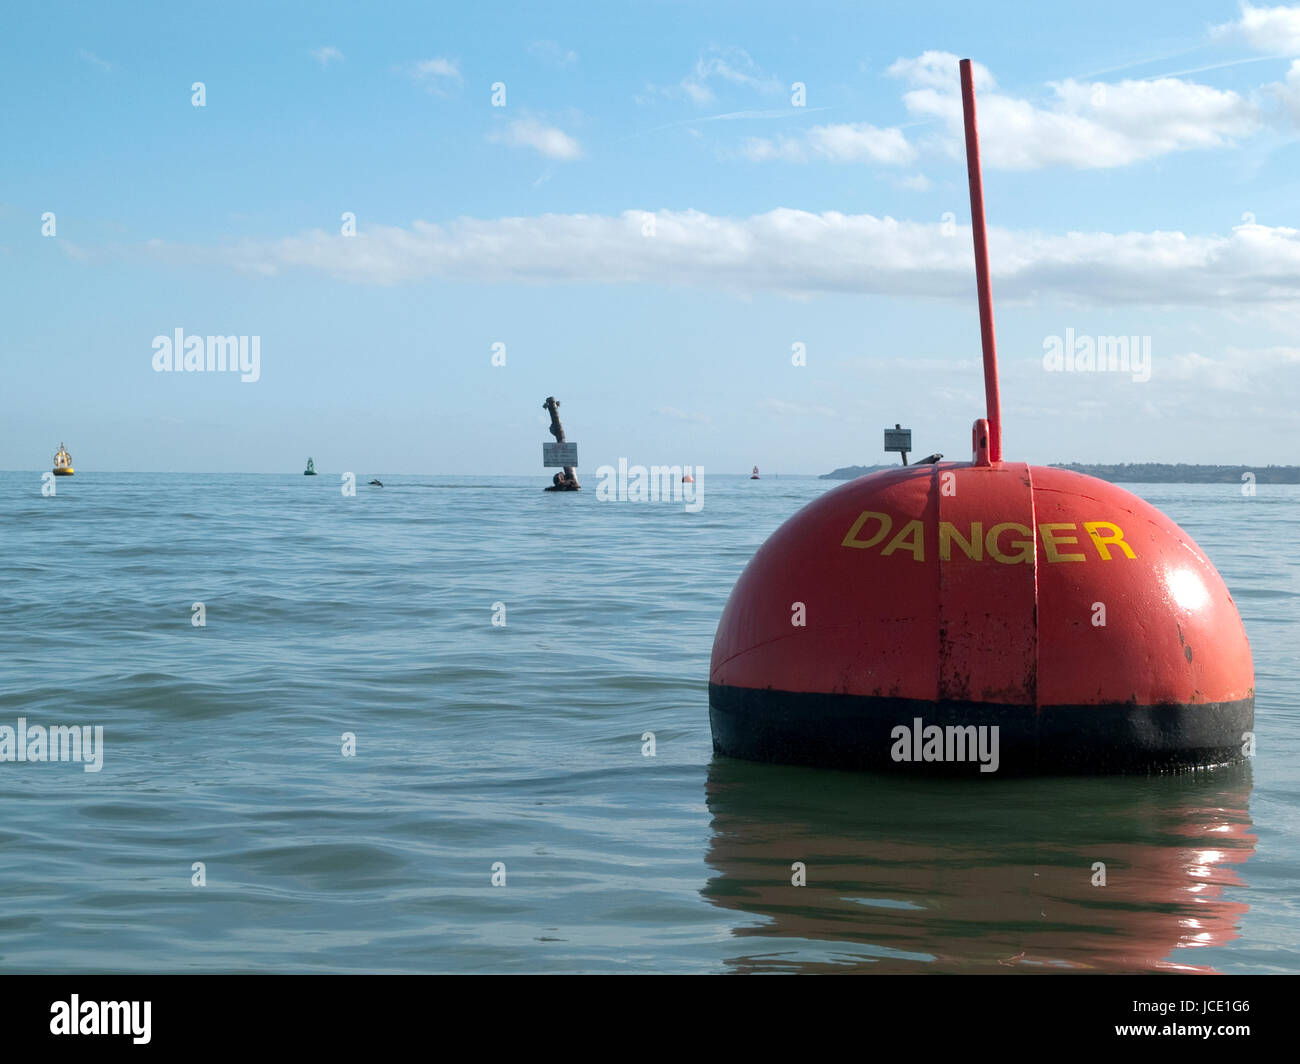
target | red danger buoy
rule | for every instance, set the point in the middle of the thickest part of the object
(988, 615)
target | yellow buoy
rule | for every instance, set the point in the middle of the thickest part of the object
(63, 463)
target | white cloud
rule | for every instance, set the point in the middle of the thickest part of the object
(843, 143)
(733, 66)
(552, 54)
(672, 413)
(1194, 368)
(1235, 369)
(439, 75)
(1266, 29)
(939, 70)
(799, 253)
(767, 149)
(1288, 92)
(861, 143)
(548, 140)
(94, 60)
(1086, 126)
(785, 408)
(442, 68)
(326, 55)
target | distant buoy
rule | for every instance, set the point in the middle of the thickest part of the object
(925, 616)
(63, 463)
(688, 479)
(754, 475)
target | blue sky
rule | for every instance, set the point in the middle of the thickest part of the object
(649, 225)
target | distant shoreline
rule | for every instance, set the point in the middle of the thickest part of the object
(1138, 473)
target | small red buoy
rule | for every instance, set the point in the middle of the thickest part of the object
(688, 479)
(1024, 618)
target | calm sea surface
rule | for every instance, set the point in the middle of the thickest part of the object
(522, 744)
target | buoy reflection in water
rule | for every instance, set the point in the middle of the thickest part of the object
(915, 875)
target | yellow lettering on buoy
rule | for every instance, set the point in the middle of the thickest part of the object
(1052, 540)
(851, 540)
(1115, 539)
(1026, 555)
(973, 548)
(911, 538)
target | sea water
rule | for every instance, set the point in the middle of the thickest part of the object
(458, 724)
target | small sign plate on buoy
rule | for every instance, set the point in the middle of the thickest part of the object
(563, 455)
(898, 440)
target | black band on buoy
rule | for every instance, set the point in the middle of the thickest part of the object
(857, 732)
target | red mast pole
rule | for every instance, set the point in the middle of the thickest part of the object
(992, 399)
